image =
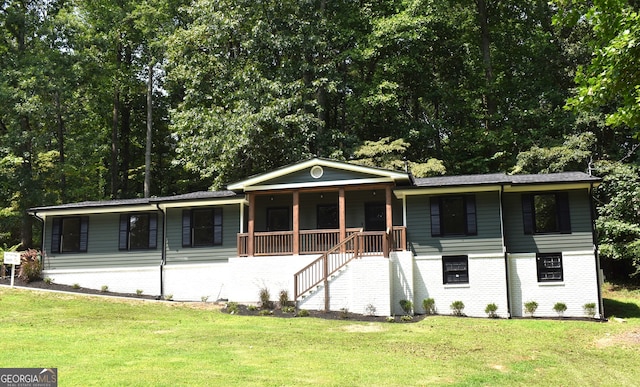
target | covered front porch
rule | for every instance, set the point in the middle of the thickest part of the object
(313, 220)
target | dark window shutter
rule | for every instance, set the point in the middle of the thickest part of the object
(124, 232)
(84, 233)
(527, 213)
(153, 230)
(186, 228)
(472, 225)
(217, 226)
(56, 226)
(435, 217)
(564, 218)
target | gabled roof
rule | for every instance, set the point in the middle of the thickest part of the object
(318, 172)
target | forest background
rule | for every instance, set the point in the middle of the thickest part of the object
(112, 99)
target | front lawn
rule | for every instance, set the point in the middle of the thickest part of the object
(106, 342)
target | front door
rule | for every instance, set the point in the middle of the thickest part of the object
(375, 216)
(278, 219)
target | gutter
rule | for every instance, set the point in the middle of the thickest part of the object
(596, 252)
(163, 254)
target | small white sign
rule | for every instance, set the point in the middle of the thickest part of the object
(11, 258)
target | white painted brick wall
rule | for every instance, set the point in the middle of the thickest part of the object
(127, 280)
(247, 275)
(578, 288)
(402, 280)
(487, 284)
(361, 283)
(191, 282)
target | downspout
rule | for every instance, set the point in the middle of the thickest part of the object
(42, 235)
(163, 258)
(504, 250)
(595, 251)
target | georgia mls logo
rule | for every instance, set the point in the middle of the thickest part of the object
(28, 377)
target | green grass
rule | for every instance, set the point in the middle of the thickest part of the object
(104, 342)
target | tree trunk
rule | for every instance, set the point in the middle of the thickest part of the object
(114, 143)
(63, 173)
(485, 47)
(147, 154)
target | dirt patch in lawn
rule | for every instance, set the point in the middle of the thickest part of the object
(630, 338)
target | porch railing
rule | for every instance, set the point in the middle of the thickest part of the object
(321, 269)
(318, 241)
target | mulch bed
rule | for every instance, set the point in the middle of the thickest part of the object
(41, 284)
(242, 310)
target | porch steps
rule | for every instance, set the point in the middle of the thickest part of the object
(318, 273)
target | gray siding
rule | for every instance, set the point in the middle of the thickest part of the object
(487, 240)
(580, 238)
(330, 174)
(178, 254)
(102, 248)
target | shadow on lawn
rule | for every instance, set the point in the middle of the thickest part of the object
(620, 309)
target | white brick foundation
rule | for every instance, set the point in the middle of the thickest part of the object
(120, 280)
(578, 287)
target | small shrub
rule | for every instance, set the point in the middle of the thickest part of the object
(391, 319)
(530, 307)
(370, 310)
(204, 298)
(104, 288)
(429, 305)
(232, 307)
(30, 265)
(265, 312)
(265, 298)
(252, 308)
(491, 309)
(406, 318)
(139, 292)
(589, 309)
(303, 313)
(168, 297)
(283, 298)
(48, 280)
(560, 308)
(76, 286)
(407, 306)
(457, 307)
(289, 309)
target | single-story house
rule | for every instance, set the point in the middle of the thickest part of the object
(337, 236)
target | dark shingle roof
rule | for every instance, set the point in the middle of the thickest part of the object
(201, 195)
(502, 178)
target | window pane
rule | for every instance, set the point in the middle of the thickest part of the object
(203, 222)
(455, 269)
(453, 220)
(545, 213)
(549, 267)
(70, 235)
(328, 216)
(139, 231)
